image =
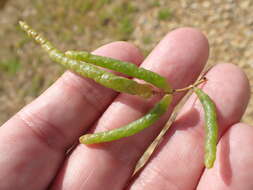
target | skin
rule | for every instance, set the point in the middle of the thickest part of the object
(35, 140)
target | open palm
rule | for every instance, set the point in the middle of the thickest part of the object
(35, 143)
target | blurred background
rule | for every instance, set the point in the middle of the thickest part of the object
(26, 71)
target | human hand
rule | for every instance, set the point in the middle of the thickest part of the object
(33, 144)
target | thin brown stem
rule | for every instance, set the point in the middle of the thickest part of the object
(200, 81)
(190, 86)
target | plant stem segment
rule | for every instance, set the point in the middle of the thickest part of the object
(150, 118)
(122, 67)
(204, 79)
(211, 127)
(105, 78)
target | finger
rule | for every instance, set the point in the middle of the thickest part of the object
(179, 160)
(36, 139)
(233, 168)
(182, 52)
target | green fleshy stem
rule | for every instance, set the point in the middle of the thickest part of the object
(105, 78)
(211, 127)
(122, 67)
(136, 126)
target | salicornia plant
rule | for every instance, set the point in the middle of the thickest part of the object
(86, 64)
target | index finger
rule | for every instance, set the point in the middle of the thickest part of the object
(35, 140)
